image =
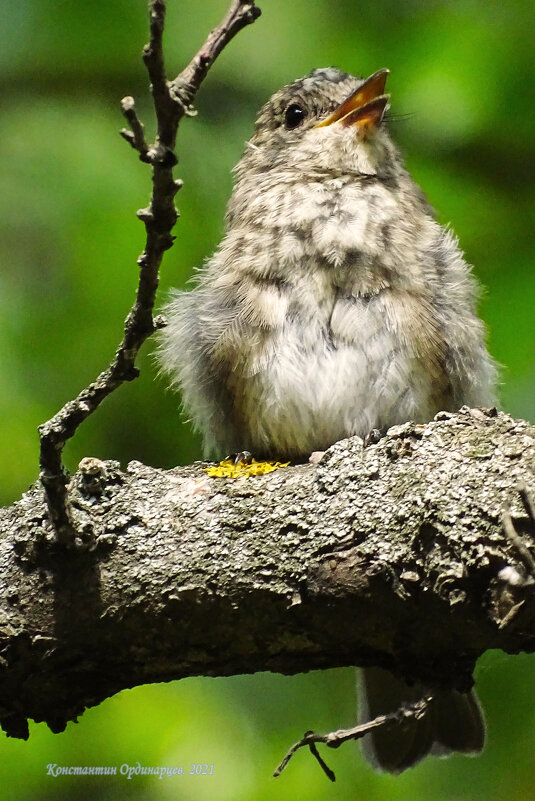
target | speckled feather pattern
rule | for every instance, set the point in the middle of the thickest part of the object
(334, 304)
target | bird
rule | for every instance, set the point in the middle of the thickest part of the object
(335, 305)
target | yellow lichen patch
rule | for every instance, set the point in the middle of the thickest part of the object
(227, 469)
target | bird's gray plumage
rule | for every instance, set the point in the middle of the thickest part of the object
(335, 303)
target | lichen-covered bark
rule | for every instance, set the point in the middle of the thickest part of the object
(393, 554)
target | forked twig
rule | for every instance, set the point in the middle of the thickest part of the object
(334, 739)
(172, 100)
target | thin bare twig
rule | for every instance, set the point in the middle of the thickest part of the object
(185, 85)
(334, 739)
(323, 765)
(171, 102)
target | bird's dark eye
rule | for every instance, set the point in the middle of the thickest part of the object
(294, 116)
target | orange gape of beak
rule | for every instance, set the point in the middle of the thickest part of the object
(365, 107)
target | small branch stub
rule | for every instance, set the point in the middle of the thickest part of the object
(136, 137)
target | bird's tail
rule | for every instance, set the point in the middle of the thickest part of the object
(453, 722)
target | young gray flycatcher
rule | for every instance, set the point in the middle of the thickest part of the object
(334, 305)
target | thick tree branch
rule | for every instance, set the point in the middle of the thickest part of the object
(171, 101)
(394, 555)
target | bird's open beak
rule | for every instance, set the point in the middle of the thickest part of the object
(365, 107)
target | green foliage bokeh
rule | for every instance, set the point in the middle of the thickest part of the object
(461, 75)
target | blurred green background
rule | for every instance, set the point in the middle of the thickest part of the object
(462, 73)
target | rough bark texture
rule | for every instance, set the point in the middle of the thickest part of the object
(394, 554)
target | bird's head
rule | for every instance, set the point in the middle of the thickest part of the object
(327, 121)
